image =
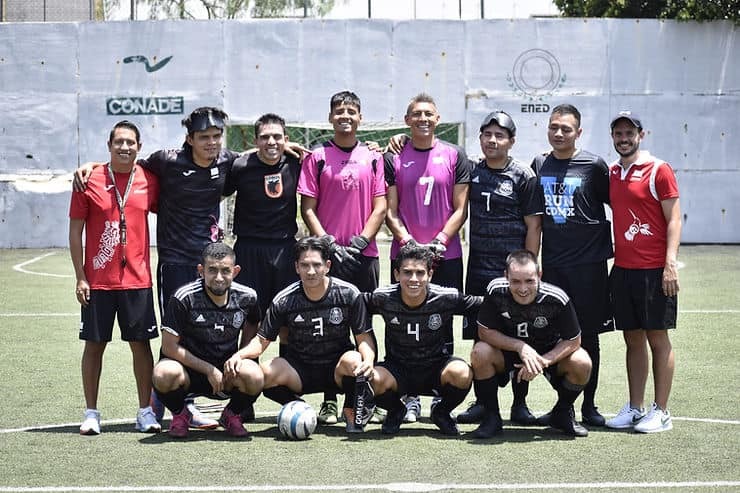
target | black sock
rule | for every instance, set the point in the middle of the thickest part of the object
(281, 394)
(240, 400)
(389, 401)
(348, 385)
(330, 396)
(451, 397)
(487, 392)
(567, 394)
(282, 350)
(173, 400)
(520, 391)
(594, 351)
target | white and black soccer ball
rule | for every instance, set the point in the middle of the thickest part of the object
(296, 420)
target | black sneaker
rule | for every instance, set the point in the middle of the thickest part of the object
(522, 415)
(544, 420)
(490, 426)
(565, 421)
(393, 420)
(444, 422)
(592, 416)
(474, 414)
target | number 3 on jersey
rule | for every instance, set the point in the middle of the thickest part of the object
(318, 327)
(427, 181)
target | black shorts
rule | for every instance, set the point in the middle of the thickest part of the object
(368, 275)
(511, 358)
(587, 286)
(134, 309)
(267, 266)
(315, 378)
(426, 380)
(639, 302)
(200, 386)
(170, 277)
(475, 285)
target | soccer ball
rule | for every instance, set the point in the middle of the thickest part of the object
(296, 420)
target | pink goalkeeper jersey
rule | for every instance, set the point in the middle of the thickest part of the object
(425, 181)
(344, 190)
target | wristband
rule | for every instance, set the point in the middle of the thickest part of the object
(443, 238)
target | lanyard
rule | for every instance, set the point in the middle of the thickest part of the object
(121, 209)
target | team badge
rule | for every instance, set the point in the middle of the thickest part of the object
(214, 173)
(435, 321)
(274, 185)
(540, 322)
(505, 188)
(335, 316)
(238, 319)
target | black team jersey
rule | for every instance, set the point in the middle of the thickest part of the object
(574, 227)
(499, 200)
(208, 331)
(541, 324)
(318, 331)
(266, 197)
(189, 195)
(415, 337)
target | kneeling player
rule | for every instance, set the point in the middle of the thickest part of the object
(528, 328)
(318, 313)
(200, 341)
(417, 359)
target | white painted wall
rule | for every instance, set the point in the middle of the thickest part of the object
(681, 77)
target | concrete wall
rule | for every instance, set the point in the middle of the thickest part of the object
(64, 85)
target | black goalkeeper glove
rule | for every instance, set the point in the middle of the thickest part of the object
(344, 264)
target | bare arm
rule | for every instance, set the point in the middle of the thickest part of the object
(82, 174)
(172, 349)
(310, 217)
(394, 222)
(534, 231)
(672, 213)
(561, 350)
(249, 330)
(366, 348)
(254, 348)
(532, 361)
(377, 216)
(460, 210)
(82, 289)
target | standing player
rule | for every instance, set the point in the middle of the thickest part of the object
(576, 236)
(342, 189)
(428, 185)
(528, 328)
(417, 357)
(265, 211)
(200, 343)
(113, 275)
(318, 312)
(647, 231)
(505, 215)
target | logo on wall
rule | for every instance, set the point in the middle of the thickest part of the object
(536, 74)
(136, 105)
(145, 61)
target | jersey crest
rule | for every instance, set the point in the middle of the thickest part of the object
(335, 315)
(274, 185)
(238, 319)
(540, 322)
(505, 188)
(435, 321)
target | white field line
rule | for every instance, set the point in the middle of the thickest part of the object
(611, 485)
(20, 267)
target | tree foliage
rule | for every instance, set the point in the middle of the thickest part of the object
(230, 9)
(699, 10)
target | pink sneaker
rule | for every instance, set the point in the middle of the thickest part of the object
(179, 425)
(232, 423)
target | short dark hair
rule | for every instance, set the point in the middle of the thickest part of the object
(204, 114)
(307, 243)
(521, 257)
(268, 119)
(412, 251)
(217, 251)
(125, 124)
(422, 97)
(345, 97)
(567, 109)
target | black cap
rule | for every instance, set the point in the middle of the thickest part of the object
(500, 118)
(203, 121)
(629, 116)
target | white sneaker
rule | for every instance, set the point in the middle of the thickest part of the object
(91, 424)
(657, 420)
(413, 409)
(627, 417)
(146, 421)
